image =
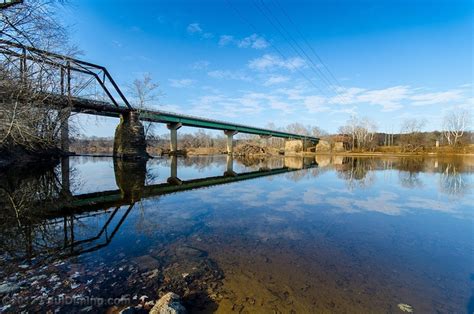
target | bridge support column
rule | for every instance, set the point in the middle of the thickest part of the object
(230, 137)
(65, 176)
(230, 167)
(173, 179)
(173, 127)
(130, 177)
(64, 118)
(130, 142)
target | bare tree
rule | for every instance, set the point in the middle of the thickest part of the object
(35, 23)
(361, 131)
(455, 124)
(23, 121)
(145, 93)
(412, 139)
(318, 132)
(299, 128)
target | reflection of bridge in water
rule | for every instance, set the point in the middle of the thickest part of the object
(117, 204)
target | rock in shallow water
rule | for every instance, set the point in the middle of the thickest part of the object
(8, 287)
(168, 304)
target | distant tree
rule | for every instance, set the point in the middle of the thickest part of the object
(411, 138)
(318, 132)
(455, 124)
(361, 132)
(299, 128)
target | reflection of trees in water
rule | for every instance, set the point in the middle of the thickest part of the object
(453, 180)
(410, 168)
(357, 172)
(259, 162)
(20, 193)
(296, 176)
(202, 163)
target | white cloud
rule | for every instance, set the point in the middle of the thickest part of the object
(207, 35)
(315, 104)
(436, 98)
(179, 83)
(225, 39)
(229, 75)
(397, 97)
(200, 65)
(276, 79)
(270, 62)
(228, 107)
(194, 28)
(388, 98)
(253, 41)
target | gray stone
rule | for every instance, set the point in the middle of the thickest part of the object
(130, 139)
(170, 303)
(8, 287)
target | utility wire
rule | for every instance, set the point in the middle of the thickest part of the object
(307, 43)
(321, 74)
(248, 22)
(294, 45)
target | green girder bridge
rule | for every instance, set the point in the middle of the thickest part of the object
(71, 85)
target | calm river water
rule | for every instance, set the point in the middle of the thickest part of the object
(280, 235)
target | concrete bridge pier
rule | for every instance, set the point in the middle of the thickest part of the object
(230, 140)
(130, 142)
(173, 127)
(173, 179)
(230, 167)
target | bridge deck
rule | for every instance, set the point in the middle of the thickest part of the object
(106, 109)
(99, 74)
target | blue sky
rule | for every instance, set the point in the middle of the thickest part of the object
(390, 60)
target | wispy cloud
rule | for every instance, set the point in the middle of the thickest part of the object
(229, 75)
(276, 79)
(179, 83)
(253, 41)
(397, 97)
(269, 62)
(195, 29)
(225, 40)
(200, 65)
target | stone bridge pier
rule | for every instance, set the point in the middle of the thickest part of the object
(130, 177)
(130, 142)
(299, 145)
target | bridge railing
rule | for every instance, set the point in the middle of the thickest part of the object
(30, 70)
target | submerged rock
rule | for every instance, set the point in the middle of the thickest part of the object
(405, 307)
(8, 287)
(170, 303)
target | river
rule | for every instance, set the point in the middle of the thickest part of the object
(281, 235)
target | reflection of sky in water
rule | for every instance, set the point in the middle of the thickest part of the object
(416, 227)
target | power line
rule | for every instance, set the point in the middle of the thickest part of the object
(274, 47)
(290, 39)
(307, 43)
(293, 40)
